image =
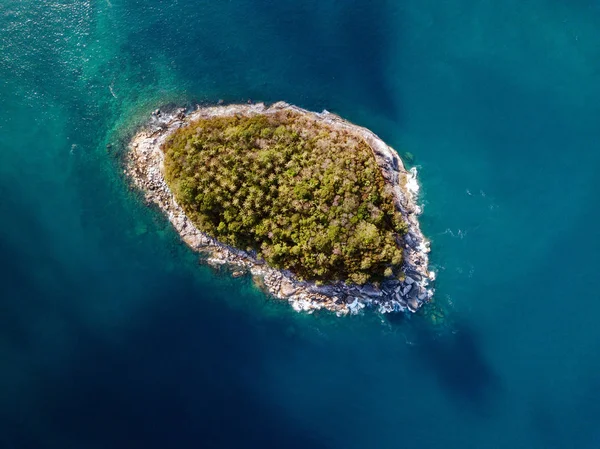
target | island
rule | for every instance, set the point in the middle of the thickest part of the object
(320, 211)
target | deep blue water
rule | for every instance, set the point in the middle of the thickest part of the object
(113, 336)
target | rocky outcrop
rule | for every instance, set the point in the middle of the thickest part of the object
(145, 169)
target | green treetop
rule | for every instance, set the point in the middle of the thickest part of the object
(304, 196)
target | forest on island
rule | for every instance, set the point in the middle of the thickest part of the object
(303, 196)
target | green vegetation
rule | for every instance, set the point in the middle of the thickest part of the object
(305, 197)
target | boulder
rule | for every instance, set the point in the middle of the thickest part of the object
(414, 274)
(327, 290)
(391, 284)
(370, 290)
(413, 304)
(287, 288)
(413, 293)
(398, 307)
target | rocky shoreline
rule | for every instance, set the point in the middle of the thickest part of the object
(144, 167)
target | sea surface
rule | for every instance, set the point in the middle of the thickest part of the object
(112, 335)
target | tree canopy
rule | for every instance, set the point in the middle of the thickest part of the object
(304, 196)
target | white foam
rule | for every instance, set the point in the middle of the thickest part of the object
(412, 184)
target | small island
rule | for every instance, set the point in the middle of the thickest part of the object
(321, 212)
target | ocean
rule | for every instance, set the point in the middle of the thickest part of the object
(112, 335)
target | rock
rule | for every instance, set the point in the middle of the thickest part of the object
(398, 307)
(287, 288)
(215, 263)
(414, 274)
(355, 306)
(413, 304)
(409, 280)
(156, 113)
(259, 281)
(385, 308)
(237, 274)
(327, 290)
(370, 290)
(391, 284)
(413, 293)
(220, 102)
(406, 290)
(387, 291)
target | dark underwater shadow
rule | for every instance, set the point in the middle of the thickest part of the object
(180, 372)
(182, 376)
(458, 363)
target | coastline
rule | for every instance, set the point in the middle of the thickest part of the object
(144, 167)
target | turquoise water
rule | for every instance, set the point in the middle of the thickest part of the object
(112, 335)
